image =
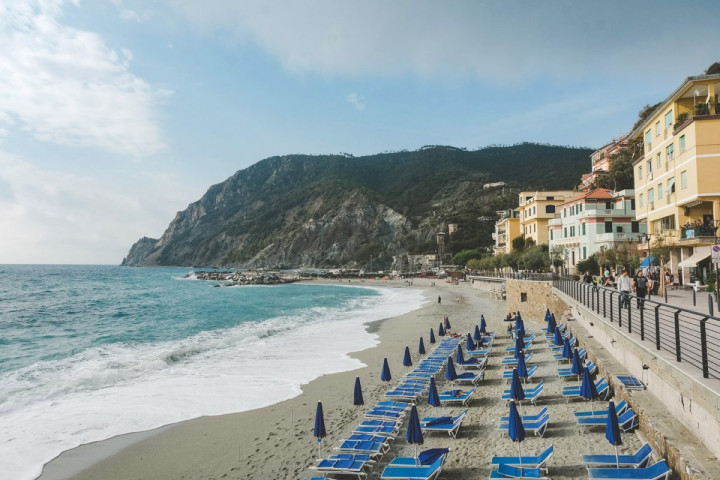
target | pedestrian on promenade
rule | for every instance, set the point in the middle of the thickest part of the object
(624, 285)
(640, 287)
(587, 278)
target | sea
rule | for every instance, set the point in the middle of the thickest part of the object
(91, 352)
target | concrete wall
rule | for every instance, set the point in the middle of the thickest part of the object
(679, 413)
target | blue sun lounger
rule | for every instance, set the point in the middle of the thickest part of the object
(538, 427)
(531, 393)
(380, 413)
(404, 468)
(627, 421)
(658, 471)
(480, 352)
(451, 425)
(511, 361)
(527, 346)
(537, 461)
(456, 396)
(638, 459)
(470, 377)
(566, 373)
(508, 471)
(345, 464)
(619, 409)
(475, 363)
(532, 370)
(528, 418)
(573, 392)
(386, 429)
(374, 449)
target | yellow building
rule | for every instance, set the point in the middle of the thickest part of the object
(677, 177)
(537, 209)
(506, 228)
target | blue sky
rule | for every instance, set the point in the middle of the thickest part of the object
(116, 114)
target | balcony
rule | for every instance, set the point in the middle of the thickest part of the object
(698, 232)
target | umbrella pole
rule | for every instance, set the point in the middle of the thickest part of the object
(617, 458)
(519, 456)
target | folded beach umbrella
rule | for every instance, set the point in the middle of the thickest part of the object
(447, 323)
(477, 336)
(519, 324)
(558, 337)
(521, 366)
(459, 357)
(450, 373)
(385, 375)
(357, 393)
(421, 347)
(414, 433)
(577, 366)
(469, 344)
(612, 431)
(441, 330)
(566, 353)
(551, 324)
(516, 431)
(516, 390)
(433, 397)
(319, 430)
(407, 361)
(588, 391)
(483, 325)
(547, 314)
(432, 336)
(519, 345)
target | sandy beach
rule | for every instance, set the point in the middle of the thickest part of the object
(277, 441)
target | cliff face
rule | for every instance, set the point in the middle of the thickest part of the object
(335, 211)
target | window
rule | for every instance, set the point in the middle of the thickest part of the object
(549, 208)
(649, 168)
(551, 198)
(583, 229)
(534, 210)
(657, 128)
(648, 140)
(608, 206)
(668, 119)
(564, 212)
(619, 229)
(683, 180)
(669, 151)
(658, 162)
(651, 195)
(635, 227)
(660, 190)
(584, 252)
(565, 232)
(671, 185)
(608, 226)
(640, 172)
(641, 201)
(682, 143)
(632, 204)
(580, 207)
(551, 234)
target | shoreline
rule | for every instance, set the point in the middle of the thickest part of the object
(95, 459)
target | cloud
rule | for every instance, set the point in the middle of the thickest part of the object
(356, 101)
(48, 215)
(493, 41)
(67, 86)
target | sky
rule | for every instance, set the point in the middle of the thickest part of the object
(116, 114)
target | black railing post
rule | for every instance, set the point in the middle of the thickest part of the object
(657, 327)
(694, 297)
(604, 303)
(703, 347)
(710, 304)
(677, 335)
(629, 318)
(597, 289)
(620, 301)
(612, 316)
(642, 323)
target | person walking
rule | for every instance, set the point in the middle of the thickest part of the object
(624, 285)
(640, 288)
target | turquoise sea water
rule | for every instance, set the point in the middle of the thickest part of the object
(88, 352)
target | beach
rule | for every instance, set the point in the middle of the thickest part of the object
(277, 441)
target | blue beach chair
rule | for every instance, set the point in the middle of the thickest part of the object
(658, 471)
(627, 421)
(537, 461)
(456, 396)
(638, 459)
(403, 469)
(619, 409)
(451, 425)
(508, 471)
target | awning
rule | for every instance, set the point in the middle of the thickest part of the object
(701, 253)
(646, 262)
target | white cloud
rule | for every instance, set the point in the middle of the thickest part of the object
(67, 86)
(494, 41)
(51, 216)
(356, 101)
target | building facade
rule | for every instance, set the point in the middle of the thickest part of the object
(677, 177)
(537, 209)
(601, 160)
(592, 221)
(506, 229)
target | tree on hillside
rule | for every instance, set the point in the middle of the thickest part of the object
(713, 69)
(644, 114)
(620, 175)
(462, 257)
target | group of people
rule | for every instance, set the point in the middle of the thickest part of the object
(640, 284)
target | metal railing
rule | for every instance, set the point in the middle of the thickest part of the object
(533, 276)
(692, 337)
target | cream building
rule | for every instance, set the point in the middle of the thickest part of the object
(537, 209)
